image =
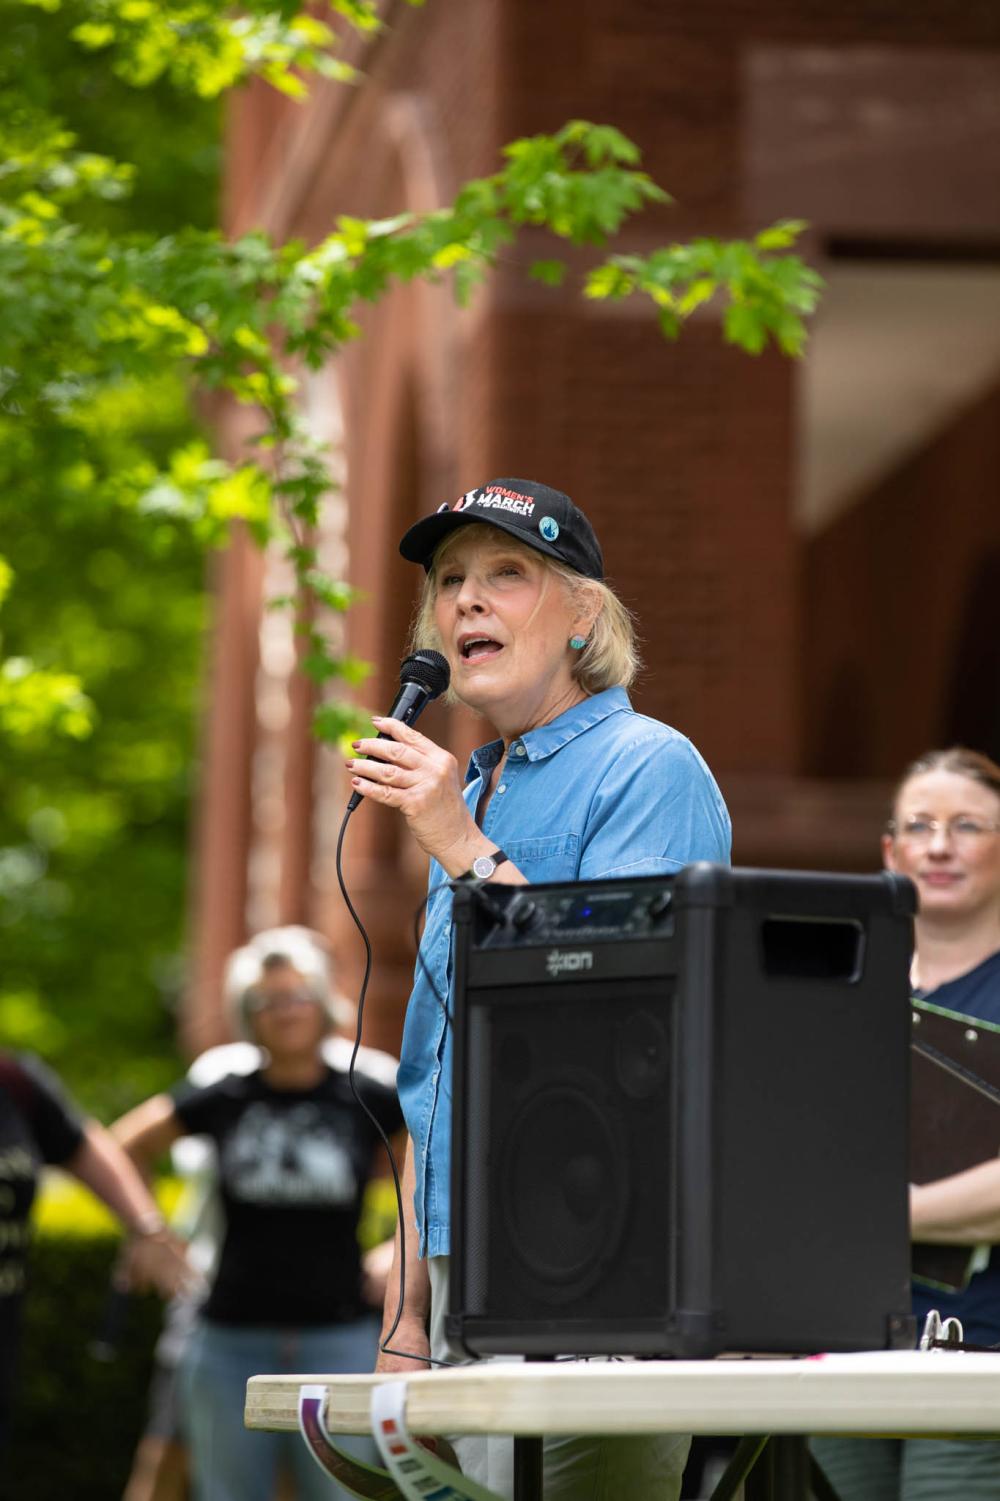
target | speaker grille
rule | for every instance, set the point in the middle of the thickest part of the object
(568, 1187)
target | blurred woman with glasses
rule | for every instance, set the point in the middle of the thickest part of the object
(294, 1150)
(944, 834)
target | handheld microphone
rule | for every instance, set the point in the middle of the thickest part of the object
(422, 676)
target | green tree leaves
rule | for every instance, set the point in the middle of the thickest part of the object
(35, 703)
(86, 311)
(766, 297)
(205, 48)
(118, 299)
(103, 609)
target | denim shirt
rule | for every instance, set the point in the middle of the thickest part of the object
(601, 791)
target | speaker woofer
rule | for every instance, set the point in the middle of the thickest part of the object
(565, 1184)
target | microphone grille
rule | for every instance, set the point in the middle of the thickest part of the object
(428, 668)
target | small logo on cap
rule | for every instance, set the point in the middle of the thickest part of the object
(549, 528)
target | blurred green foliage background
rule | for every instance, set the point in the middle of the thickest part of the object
(77, 1416)
(116, 294)
(94, 823)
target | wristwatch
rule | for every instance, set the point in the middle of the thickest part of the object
(484, 865)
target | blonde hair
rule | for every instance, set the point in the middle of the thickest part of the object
(305, 950)
(610, 658)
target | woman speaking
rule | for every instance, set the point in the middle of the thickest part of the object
(576, 786)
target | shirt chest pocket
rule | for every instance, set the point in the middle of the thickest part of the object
(551, 857)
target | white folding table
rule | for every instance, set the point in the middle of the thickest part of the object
(938, 1393)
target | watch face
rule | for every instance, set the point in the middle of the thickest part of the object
(484, 866)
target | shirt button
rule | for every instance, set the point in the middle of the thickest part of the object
(519, 750)
(502, 787)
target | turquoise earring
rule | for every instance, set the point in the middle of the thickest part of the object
(578, 642)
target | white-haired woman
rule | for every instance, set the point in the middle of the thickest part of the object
(576, 786)
(294, 1153)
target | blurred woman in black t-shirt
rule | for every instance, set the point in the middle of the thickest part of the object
(295, 1151)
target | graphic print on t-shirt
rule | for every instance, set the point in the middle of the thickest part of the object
(18, 1169)
(287, 1156)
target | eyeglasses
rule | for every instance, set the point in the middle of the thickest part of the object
(961, 829)
(261, 1000)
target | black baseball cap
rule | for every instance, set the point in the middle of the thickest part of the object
(535, 514)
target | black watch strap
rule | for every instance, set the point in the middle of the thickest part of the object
(483, 866)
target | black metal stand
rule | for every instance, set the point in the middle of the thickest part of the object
(528, 1469)
(529, 1480)
(748, 1452)
(774, 1469)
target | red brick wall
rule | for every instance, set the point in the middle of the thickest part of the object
(684, 455)
(901, 624)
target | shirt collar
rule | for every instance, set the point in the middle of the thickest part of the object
(549, 738)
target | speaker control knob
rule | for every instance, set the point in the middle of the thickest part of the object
(524, 915)
(660, 903)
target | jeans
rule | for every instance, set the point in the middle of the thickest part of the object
(910, 1469)
(228, 1462)
(576, 1469)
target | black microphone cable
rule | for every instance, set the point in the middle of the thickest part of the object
(384, 1345)
(423, 676)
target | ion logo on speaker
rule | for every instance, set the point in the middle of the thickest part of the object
(568, 961)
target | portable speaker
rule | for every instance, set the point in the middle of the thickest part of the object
(680, 1115)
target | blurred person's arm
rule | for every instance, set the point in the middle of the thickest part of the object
(411, 1332)
(154, 1257)
(962, 1210)
(148, 1131)
(376, 1264)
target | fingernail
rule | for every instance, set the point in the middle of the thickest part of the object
(377, 718)
(355, 744)
(349, 764)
